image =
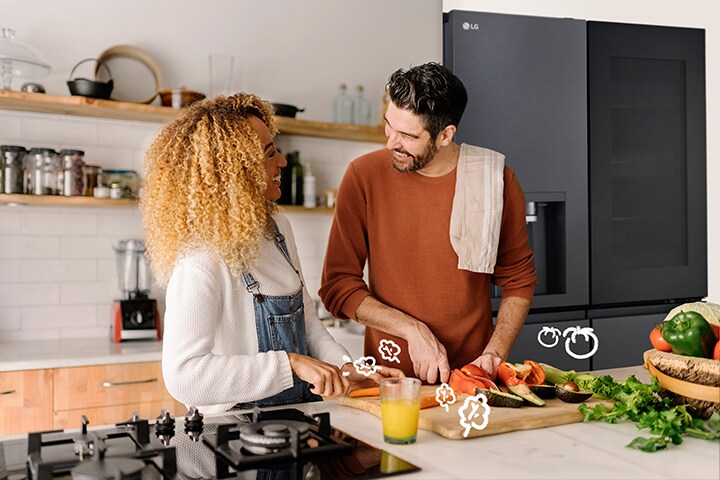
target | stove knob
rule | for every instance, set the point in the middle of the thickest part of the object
(164, 418)
(134, 418)
(193, 423)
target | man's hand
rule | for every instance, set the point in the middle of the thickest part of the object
(427, 354)
(489, 362)
(326, 379)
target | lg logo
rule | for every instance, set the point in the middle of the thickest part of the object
(470, 26)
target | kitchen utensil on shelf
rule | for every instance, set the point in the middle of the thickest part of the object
(137, 74)
(90, 88)
(32, 87)
(179, 97)
(18, 59)
(220, 69)
(135, 315)
(285, 110)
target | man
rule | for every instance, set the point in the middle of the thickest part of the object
(437, 223)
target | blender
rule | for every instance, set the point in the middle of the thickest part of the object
(135, 315)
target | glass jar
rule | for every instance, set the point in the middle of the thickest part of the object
(92, 177)
(126, 180)
(72, 165)
(42, 169)
(13, 166)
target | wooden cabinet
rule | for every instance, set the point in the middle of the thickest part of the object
(110, 393)
(36, 400)
(26, 401)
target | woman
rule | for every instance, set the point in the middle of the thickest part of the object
(240, 327)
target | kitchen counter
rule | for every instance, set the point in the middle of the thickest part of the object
(584, 451)
(75, 352)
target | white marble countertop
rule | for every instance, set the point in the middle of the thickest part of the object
(587, 451)
(75, 352)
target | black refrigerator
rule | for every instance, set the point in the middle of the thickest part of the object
(604, 125)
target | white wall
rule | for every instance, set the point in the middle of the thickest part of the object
(689, 13)
(57, 273)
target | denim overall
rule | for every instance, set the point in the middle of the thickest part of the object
(280, 325)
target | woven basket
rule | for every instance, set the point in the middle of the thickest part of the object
(689, 380)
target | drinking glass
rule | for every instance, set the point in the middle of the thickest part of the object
(400, 407)
(221, 74)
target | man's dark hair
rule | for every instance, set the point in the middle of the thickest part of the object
(430, 91)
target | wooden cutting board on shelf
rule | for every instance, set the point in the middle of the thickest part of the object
(501, 420)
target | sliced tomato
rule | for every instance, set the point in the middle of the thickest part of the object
(716, 352)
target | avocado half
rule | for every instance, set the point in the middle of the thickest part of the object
(522, 390)
(496, 398)
(570, 396)
(543, 391)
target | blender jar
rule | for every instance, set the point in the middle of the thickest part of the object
(134, 277)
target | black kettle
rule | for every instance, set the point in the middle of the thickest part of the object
(90, 88)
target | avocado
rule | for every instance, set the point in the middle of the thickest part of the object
(496, 398)
(543, 391)
(570, 396)
(522, 390)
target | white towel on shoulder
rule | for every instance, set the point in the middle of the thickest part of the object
(477, 208)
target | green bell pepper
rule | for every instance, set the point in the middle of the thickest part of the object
(688, 333)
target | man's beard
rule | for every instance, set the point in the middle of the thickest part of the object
(419, 161)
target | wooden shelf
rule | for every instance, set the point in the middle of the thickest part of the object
(60, 201)
(7, 199)
(92, 107)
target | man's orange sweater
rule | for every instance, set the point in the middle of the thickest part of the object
(400, 224)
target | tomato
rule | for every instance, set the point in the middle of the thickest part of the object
(658, 342)
(716, 352)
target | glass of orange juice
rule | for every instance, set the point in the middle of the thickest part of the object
(400, 407)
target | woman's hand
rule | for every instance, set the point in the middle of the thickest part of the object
(326, 379)
(359, 380)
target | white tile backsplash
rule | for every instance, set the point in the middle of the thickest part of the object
(29, 294)
(86, 292)
(10, 271)
(61, 270)
(73, 222)
(25, 246)
(57, 130)
(57, 266)
(9, 318)
(58, 317)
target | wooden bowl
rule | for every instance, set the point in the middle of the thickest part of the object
(179, 97)
(689, 380)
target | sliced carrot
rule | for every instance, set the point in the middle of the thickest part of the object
(365, 392)
(428, 402)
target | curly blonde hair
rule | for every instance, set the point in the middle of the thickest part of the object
(205, 184)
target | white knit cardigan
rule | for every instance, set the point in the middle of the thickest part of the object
(210, 353)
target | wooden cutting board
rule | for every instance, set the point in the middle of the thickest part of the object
(501, 420)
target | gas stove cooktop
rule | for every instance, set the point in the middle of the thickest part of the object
(281, 444)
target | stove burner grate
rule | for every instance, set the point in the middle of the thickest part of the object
(281, 441)
(88, 458)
